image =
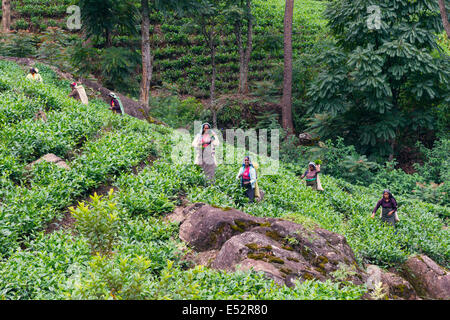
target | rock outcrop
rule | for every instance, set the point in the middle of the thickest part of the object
(284, 250)
(305, 139)
(50, 158)
(393, 286)
(430, 280)
(228, 239)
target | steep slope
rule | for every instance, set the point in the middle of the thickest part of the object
(103, 148)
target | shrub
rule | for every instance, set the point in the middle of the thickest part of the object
(117, 66)
(437, 162)
(178, 113)
(20, 45)
(20, 24)
(99, 222)
(37, 273)
(119, 278)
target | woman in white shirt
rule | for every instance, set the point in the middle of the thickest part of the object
(205, 144)
(247, 174)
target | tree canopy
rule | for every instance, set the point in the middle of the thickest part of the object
(380, 84)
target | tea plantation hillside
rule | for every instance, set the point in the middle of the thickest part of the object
(182, 61)
(120, 245)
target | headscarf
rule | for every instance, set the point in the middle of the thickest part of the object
(312, 164)
(391, 197)
(114, 96)
(388, 192)
(203, 127)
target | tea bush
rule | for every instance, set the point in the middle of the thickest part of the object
(200, 283)
(25, 210)
(36, 273)
(145, 260)
(129, 278)
(118, 278)
(99, 222)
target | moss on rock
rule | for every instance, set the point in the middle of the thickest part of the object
(256, 256)
(274, 235)
(252, 246)
(273, 259)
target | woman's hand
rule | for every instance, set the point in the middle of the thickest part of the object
(373, 215)
(390, 213)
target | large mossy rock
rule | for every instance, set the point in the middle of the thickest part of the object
(393, 286)
(284, 250)
(430, 280)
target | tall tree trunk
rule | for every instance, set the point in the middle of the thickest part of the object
(210, 37)
(240, 46)
(286, 101)
(108, 38)
(245, 55)
(248, 50)
(147, 67)
(6, 15)
(444, 17)
(213, 83)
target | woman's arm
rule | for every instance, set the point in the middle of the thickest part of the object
(215, 142)
(252, 176)
(376, 208)
(241, 170)
(304, 175)
(196, 141)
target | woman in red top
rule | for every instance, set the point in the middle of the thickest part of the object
(205, 144)
(247, 175)
(311, 175)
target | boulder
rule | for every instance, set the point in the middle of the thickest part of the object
(206, 228)
(430, 280)
(283, 250)
(305, 138)
(394, 286)
(50, 158)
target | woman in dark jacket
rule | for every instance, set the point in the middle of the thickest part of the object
(389, 208)
(116, 104)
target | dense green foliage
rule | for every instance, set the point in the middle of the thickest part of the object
(342, 208)
(181, 56)
(38, 16)
(143, 253)
(375, 88)
(380, 85)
